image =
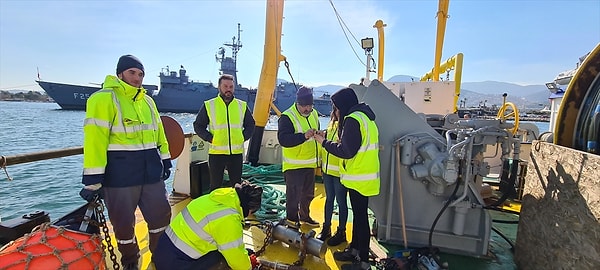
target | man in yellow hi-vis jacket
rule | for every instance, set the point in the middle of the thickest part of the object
(226, 123)
(126, 157)
(208, 233)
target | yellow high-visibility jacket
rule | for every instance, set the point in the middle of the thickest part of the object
(212, 222)
(330, 163)
(304, 155)
(124, 141)
(226, 125)
(361, 172)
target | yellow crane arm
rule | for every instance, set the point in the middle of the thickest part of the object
(455, 62)
(442, 16)
(271, 59)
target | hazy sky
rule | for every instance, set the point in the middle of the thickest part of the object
(524, 42)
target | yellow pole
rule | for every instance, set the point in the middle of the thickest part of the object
(442, 16)
(458, 65)
(268, 75)
(380, 57)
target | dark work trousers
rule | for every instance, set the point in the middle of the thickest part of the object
(168, 256)
(121, 203)
(361, 234)
(299, 192)
(217, 165)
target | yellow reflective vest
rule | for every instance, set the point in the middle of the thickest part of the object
(212, 222)
(124, 140)
(226, 125)
(304, 155)
(361, 172)
(330, 163)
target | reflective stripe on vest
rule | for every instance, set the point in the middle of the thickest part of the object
(305, 154)
(198, 228)
(226, 125)
(126, 134)
(361, 172)
(330, 162)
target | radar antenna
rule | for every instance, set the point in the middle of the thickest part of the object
(229, 64)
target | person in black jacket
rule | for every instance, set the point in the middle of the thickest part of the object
(348, 148)
(225, 122)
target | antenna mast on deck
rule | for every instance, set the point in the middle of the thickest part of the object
(229, 64)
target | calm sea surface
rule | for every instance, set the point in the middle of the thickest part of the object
(53, 185)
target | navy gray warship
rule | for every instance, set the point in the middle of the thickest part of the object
(178, 94)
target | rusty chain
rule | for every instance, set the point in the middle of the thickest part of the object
(303, 248)
(100, 214)
(268, 238)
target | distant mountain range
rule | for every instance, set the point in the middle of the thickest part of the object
(486, 93)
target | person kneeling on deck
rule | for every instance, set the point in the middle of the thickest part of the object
(358, 148)
(208, 233)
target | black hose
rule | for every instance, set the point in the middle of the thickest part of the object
(505, 221)
(512, 246)
(442, 210)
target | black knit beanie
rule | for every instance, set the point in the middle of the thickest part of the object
(250, 196)
(129, 61)
(344, 99)
(304, 96)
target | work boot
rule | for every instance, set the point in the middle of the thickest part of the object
(338, 238)
(310, 222)
(131, 266)
(325, 233)
(348, 255)
(356, 266)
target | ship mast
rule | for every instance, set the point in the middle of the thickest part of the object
(229, 64)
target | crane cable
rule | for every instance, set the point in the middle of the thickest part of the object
(343, 25)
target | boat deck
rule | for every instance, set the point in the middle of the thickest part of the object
(499, 257)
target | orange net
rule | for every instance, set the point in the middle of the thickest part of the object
(51, 247)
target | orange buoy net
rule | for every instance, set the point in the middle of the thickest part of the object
(51, 247)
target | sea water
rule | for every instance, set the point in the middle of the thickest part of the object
(53, 185)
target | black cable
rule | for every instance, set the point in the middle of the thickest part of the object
(444, 209)
(505, 221)
(512, 246)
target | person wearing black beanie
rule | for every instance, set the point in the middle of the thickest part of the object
(129, 61)
(132, 178)
(359, 169)
(295, 130)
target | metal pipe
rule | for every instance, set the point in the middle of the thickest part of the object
(467, 173)
(404, 237)
(42, 155)
(381, 46)
(294, 238)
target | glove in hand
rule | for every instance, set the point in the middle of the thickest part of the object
(90, 195)
(167, 165)
(166, 173)
(254, 261)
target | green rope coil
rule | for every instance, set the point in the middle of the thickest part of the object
(273, 201)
